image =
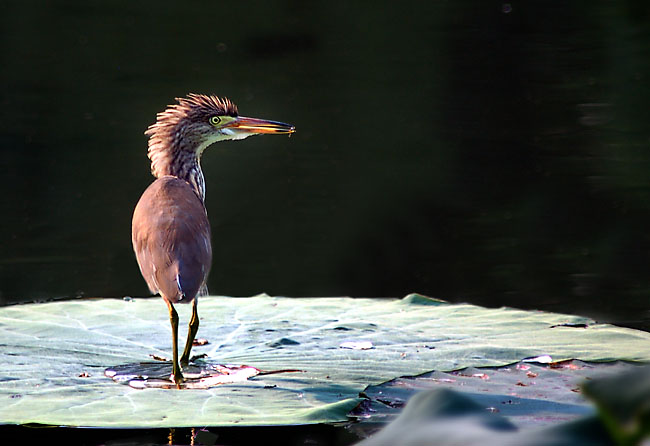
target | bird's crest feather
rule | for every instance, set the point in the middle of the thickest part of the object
(166, 135)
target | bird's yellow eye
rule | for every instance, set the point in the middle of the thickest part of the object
(215, 120)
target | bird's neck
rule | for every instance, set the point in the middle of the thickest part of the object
(182, 164)
(195, 177)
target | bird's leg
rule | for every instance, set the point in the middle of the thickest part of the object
(176, 369)
(191, 333)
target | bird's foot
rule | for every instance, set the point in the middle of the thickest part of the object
(178, 380)
(177, 376)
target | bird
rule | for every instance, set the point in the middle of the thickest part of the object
(170, 229)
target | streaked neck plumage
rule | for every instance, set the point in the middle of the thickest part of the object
(180, 157)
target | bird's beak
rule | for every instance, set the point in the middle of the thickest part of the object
(255, 126)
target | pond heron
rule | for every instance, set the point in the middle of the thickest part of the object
(170, 229)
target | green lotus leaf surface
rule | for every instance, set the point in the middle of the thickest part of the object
(53, 356)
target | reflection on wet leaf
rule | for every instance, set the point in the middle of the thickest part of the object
(156, 375)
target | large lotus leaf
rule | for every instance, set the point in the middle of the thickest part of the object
(53, 355)
(528, 394)
(437, 415)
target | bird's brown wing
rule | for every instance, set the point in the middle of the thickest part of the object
(171, 239)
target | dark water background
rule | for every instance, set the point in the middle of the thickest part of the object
(481, 151)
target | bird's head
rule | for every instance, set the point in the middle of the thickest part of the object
(195, 122)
